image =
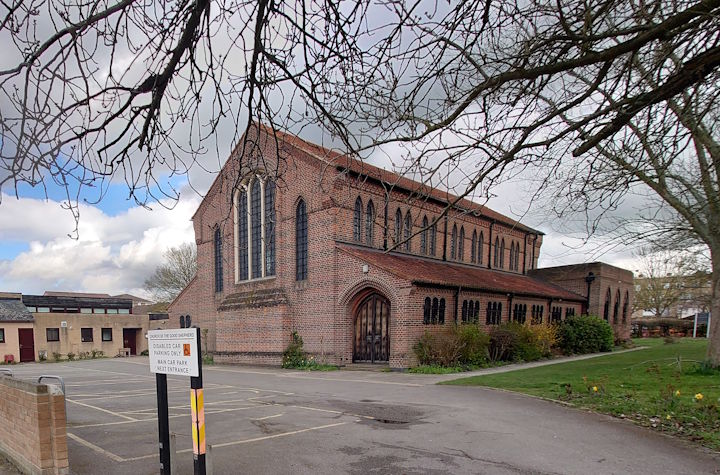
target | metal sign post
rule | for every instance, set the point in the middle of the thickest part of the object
(197, 405)
(177, 352)
(163, 423)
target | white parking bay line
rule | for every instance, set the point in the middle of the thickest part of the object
(94, 447)
(267, 417)
(116, 414)
(248, 441)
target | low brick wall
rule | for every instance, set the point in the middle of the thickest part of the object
(32, 427)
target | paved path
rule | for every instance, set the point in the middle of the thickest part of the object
(533, 364)
(276, 421)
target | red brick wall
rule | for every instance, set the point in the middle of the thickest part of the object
(319, 307)
(32, 417)
(606, 277)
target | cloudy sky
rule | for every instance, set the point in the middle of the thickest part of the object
(119, 244)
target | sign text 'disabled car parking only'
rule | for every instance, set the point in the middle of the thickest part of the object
(174, 352)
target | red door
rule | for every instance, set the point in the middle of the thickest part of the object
(130, 339)
(27, 344)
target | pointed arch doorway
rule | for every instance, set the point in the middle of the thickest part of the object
(371, 342)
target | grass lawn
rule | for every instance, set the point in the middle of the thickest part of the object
(659, 387)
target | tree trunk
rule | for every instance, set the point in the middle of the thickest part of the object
(713, 350)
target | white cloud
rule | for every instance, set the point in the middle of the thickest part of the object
(112, 254)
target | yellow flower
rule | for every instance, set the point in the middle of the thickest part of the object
(595, 389)
(677, 393)
(698, 397)
(668, 417)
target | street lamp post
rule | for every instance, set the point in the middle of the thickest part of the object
(589, 280)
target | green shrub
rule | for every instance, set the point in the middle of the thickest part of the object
(503, 342)
(585, 334)
(294, 355)
(83, 355)
(145, 353)
(474, 344)
(71, 356)
(56, 356)
(97, 354)
(42, 355)
(455, 345)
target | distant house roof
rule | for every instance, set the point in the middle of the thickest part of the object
(51, 293)
(13, 310)
(136, 300)
(74, 301)
(427, 271)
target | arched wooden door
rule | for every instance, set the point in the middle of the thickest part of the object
(372, 323)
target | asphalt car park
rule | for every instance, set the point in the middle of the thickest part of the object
(264, 420)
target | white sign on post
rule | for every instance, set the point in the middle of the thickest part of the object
(174, 352)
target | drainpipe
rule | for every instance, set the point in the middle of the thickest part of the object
(510, 299)
(532, 264)
(385, 229)
(490, 244)
(589, 280)
(525, 253)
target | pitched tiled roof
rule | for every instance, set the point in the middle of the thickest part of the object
(419, 270)
(13, 310)
(345, 162)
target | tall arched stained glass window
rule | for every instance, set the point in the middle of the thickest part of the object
(473, 247)
(301, 241)
(424, 236)
(502, 254)
(433, 237)
(370, 223)
(626, 305)
(255, 229)
(606, 310)
(616, 308)
(218, 260)
(357, 220)
(496, 254)
(461, 244)
(512, 255)
(242, 233)
(453, 242)
(398, 226)
(407, 231)
(480, 248)
(269, 228)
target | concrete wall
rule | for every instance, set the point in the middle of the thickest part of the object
(32, 417)
(12, 345)
(70, 336)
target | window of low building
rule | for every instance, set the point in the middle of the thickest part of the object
(124, 311)
(569, 312)
(106, 334)
(86, 334)
(556, 314)
(98, 310)
(52, 334)
(434, 311)
(493, 314)
(113, 311)
(2, 335)
(43, 310)
(86, 310)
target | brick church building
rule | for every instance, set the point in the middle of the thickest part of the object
(361, 261)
